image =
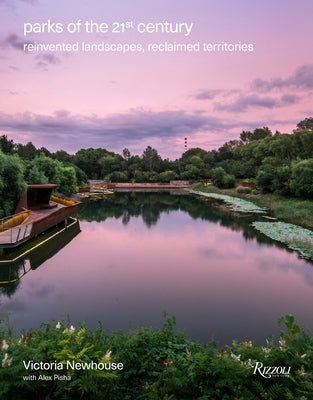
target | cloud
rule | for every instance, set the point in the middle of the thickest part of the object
(137, 123)
(135, 130)
(239, 100)
(302, 78)
(207, 94)
(288, 99)
(62, 129)
(45, 60)
(11, 2)
(242, 103)
(245, 102)
(41, 65)
(13, 41)
(49, 59)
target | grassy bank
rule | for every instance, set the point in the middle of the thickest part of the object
(293, 210)
(59, 361)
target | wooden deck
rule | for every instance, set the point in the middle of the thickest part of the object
(37, 222)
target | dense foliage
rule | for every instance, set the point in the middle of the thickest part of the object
(12, 183)
(18, 168)
(279, 163)
(157, 364)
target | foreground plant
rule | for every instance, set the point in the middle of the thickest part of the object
(61, 361)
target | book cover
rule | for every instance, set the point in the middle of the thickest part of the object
(182, 131)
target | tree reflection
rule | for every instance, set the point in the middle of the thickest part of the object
(150, 206)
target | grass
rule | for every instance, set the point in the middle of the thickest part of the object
(293, 210)
(289, 209)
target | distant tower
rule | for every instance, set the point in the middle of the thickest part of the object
(185, 141)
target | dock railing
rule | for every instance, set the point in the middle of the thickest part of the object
(13, 230)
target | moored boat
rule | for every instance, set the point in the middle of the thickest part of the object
(37, 210)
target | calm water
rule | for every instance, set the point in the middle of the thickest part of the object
(140, 254)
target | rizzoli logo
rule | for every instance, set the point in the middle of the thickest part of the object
(271, 371)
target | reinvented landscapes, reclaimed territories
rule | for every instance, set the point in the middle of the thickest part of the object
(177, 140)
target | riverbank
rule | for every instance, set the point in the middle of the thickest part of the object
(288, 209)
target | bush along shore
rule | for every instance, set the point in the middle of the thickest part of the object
(297, 214)
(59, 361)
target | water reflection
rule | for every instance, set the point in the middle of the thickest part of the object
(139, 254)
(15, 263)
(149, 206)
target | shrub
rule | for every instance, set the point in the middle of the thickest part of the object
(221, 179)
(157, 364)
(301, 183)
(243, 190)
(281, 181)
(265, 177)
(117, 176)
(229, 181)
(168, 176)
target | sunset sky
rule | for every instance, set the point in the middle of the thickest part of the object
(72, 100)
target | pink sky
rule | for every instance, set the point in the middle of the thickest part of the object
(69, 101)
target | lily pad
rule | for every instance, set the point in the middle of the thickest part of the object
(294, 236)
(236, 204)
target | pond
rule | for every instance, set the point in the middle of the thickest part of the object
(139, 254)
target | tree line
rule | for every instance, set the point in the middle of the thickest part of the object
(278, 163)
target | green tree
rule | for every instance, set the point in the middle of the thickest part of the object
(110, 162)
(197, 162)
(305, 125)
(303, 144)
(301, 183)
(246, 136)
(257, 134)
(226, 151)
(63, 156)
(12, 183)
(168, 176)
(135, 168)
(81, 177)
(44, 151)
(265, 178)
(116, 176)
(91, 162)
(6, 145)
(66, 179)
(151, 159)
(46, 166)
(36, 176)
(27, 151)
(261, 133)
(126, 154)
(221, 179)
(191, 172)
(47, 170)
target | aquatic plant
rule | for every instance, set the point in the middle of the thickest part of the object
(294, 236)
(235, 203)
